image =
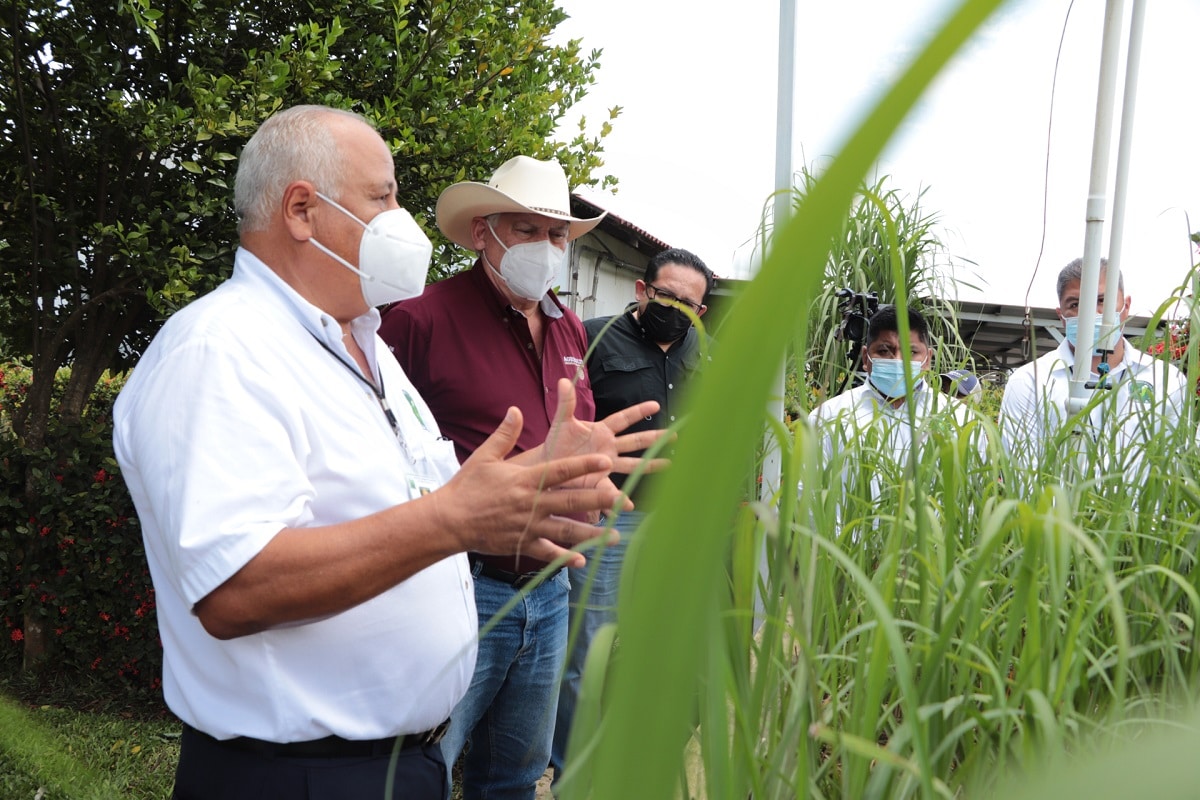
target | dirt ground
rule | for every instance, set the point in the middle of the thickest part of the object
(695, 772)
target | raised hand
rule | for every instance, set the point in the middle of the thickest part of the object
(571, 436)
(503, 505)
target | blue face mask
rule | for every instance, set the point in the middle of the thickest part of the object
(887, 376)
(1108, 342)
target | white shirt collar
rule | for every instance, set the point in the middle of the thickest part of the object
(323, 326)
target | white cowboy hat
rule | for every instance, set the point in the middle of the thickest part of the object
(522, 185)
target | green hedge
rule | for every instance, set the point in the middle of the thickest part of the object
(72, 557)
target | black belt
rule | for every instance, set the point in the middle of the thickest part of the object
(329, 747)
(514, 579)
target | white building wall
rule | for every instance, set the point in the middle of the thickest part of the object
(598, 275)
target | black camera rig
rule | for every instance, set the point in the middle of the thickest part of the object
(856, 308)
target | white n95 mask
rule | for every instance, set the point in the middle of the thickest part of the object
(393, 256)
(528, 269)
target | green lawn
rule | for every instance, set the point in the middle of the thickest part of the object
(81, 750)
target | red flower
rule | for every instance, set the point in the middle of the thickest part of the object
(100, 477)
(17, 635)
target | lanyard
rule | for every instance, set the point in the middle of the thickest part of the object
(378, 391)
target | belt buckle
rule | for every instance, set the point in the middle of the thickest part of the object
(524, 579)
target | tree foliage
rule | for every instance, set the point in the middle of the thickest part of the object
(120, 126)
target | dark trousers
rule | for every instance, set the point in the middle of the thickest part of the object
(209, 770)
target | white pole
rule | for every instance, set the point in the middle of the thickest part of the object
(1121, 186)
(772, 466)
(1089, 284)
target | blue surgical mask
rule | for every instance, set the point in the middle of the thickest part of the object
(887, 376)
(1109, 342)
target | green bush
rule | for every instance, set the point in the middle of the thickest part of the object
(71, 554)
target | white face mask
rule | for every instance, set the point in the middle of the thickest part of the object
(528, 269)
(393, 257)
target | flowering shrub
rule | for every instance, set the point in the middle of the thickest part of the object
(1174, 348)
(71, 559)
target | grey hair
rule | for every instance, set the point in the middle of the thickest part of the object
(292, 145)
(1073, 273)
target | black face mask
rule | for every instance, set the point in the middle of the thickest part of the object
(664, 323)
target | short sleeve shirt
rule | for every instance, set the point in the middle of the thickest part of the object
(238, 423)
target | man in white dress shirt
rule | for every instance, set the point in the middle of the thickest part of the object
(305, 522)
(882, 402)
(1143, 399)
(873, 421)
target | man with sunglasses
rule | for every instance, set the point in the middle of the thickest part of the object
(646, 353)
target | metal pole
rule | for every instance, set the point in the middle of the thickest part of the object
(1089, 284)
(772, 466)
(1121, 186)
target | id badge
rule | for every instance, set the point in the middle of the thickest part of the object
(419, 486)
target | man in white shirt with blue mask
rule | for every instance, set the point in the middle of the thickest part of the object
(882, 399)
(1143, 396)
(875, 424)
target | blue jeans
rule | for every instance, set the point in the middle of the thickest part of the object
(599, 581)
(506, 719)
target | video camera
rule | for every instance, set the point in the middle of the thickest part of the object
(857, 308)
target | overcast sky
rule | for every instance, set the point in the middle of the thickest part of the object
(694, 148)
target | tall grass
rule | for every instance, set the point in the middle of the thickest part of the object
(887, 244)
(926, 626)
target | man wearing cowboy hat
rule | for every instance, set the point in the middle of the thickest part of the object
(474, 344)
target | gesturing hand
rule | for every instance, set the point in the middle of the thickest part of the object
(514, 505)
(571, 436)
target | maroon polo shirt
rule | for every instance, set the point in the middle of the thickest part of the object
(471, 356)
